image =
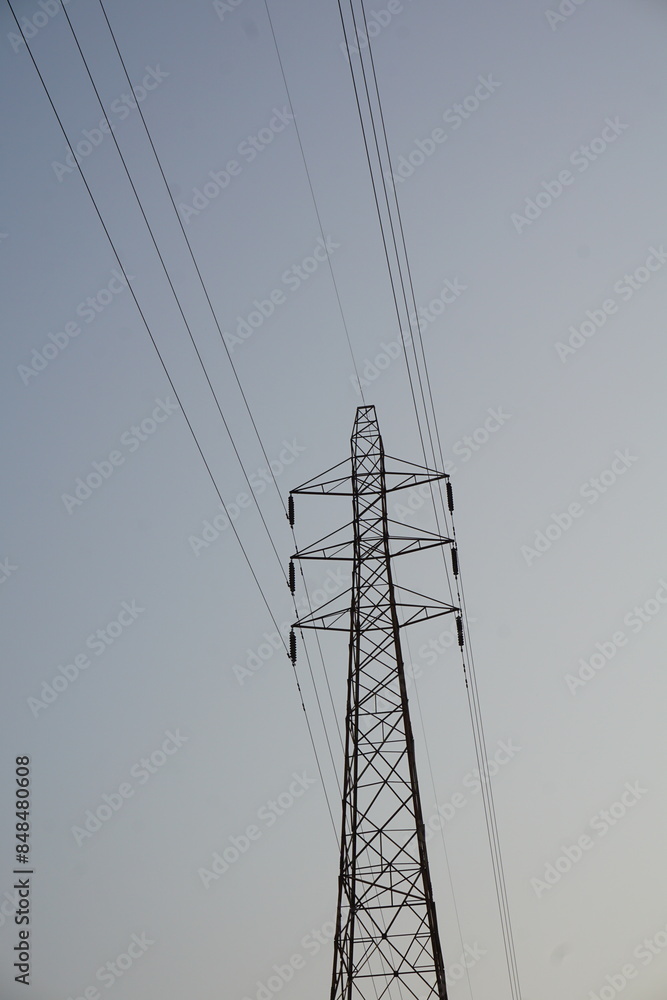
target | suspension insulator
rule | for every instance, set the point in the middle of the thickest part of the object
(292, 646)
(455, 560)
(450, 497)
(292, 576)
(290, 510)
(459, 629)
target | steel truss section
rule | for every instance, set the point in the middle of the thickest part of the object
(387, 945)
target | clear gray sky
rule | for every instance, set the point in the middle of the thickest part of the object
(140, 660)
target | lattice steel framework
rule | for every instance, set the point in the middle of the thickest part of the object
(387, 945)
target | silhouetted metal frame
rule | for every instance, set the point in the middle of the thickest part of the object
(352, 951)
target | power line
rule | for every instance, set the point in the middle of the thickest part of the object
(431, 420)
(171, 285)
(199, 357)
(171, 383)
(435, 800)
(382, 232)
(476, 716)
(312, 192)
(215, 319)
(389, 212)
(475, 690)
(218, 325)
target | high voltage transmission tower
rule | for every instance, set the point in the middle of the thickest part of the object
(387, 943)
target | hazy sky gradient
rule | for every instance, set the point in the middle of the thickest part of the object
(134, 538)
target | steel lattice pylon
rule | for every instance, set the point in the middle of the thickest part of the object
(387, 943)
